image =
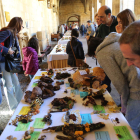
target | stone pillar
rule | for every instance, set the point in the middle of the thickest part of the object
(58, 12)
(95, 6)
(2, 16)
(121, 5)
(102, 2)
(90, 5)
(115, 7)
(137, 9)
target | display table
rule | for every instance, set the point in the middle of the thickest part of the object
(57, 117)
(64, 40)
(57, 59)
(68, 33)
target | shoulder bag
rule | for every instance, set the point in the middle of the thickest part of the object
(12, 62)
(79, 62)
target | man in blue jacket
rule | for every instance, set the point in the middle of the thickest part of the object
(3, 50)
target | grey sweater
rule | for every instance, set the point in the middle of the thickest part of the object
(125, 79)
(91, 29)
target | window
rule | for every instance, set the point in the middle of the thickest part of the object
(98, 4)
(109, 3)
(128, 4)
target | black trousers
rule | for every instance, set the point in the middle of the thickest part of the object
(61, 35)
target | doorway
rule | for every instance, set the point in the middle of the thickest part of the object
(73, 20)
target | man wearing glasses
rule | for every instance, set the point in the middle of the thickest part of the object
(108, 21)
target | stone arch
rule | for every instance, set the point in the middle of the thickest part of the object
(74, 16)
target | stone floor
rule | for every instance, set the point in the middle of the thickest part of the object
(5, 113)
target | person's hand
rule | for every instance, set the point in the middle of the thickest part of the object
(85, 60)
(25, 73)
(10, 51)
(118, 29)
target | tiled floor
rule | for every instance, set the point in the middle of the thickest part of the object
(5, 113)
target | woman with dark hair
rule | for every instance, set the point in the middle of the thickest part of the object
(8, 35)
(94, 43)
(125, 79)
(30, 60)
(74, 47)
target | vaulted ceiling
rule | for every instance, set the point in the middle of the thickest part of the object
(83, 1)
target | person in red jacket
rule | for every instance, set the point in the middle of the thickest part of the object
(30, 61)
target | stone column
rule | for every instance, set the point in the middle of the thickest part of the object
(115, 7)
(95, 6)
(137, 9)
(2, 16)
(102, 2)
(90, 9)
(57, 12)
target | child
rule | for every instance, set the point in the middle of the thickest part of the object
(30, 61)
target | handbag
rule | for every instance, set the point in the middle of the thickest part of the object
(79, 62)
(12, 62)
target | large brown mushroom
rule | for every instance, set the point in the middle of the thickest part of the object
(37, 92)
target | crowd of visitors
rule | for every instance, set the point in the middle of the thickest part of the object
(116, 54)
(113, 46)
(113, 41)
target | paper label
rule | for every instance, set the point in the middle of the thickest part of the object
(22, 126)
(67, 84)
(83, 94)
(82, 72)
(37, 77)
(99, 108)
(86, 118)
(123, 132)
(39, 123)
(60, 80)
(35, 135)
(34, 84)
(102, 135)
(24, 110)
(75, 91)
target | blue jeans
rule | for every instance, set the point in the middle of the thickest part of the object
(82, 33)
(133, 114)
(13, 86)
(0, 92)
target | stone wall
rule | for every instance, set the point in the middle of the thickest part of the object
(137, 9)
(36, 13)
(71, 8)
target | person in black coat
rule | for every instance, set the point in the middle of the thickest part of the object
(77, 48)
(82, 29)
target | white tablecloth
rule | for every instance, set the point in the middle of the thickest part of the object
(57, 56)
(68, 33)
(63, 55)
(61, 41)
(57, 117)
